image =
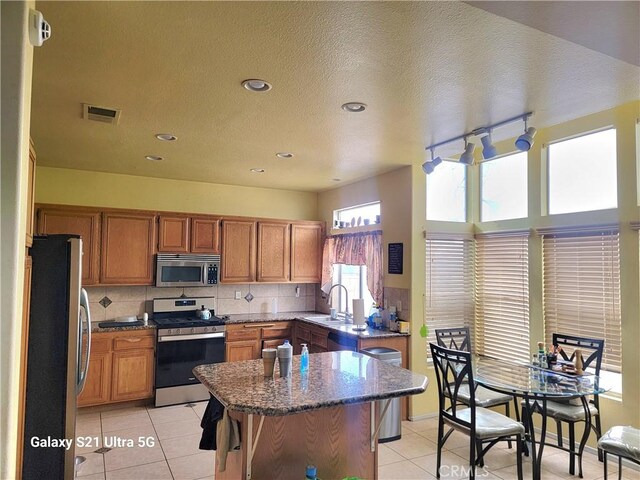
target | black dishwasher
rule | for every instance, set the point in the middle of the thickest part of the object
(341, 341)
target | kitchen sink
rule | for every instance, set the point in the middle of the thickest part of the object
(325, 318)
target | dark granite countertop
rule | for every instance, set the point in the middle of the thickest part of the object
(314, 318)
(334, 378)
(96, 329)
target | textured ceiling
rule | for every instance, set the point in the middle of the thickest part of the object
(427, 71)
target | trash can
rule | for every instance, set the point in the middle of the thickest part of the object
(390, 429)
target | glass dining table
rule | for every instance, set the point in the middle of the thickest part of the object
(537, 386)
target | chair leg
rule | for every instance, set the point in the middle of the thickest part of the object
(605, 465)
(480, 459)
(472, 458)
(619, 468)
(519, 442)
(439, 455)
(598, 426)
(525, 422)
(508, 413)
(572, 447)
(559, 432)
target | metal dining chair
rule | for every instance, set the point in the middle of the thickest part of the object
(482, 425)
(460, 339)
(568, 412)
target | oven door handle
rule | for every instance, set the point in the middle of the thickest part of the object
(198, 336)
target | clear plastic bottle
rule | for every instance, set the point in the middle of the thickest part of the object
(304, 359)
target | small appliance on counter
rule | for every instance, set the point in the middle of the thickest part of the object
(189, 334)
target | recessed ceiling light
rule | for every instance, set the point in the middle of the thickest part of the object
(336, 179)
(284, 154)
(256, 85)
(257, 170)
(155, 158)
(167, 137)
(354, 107)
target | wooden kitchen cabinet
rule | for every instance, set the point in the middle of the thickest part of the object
(238, 259)
(274, 252)
(128, 246)
(245, 341)
(173, 234)
(183, 234)
(306, 252)
(314, 336)
(205, 235)
(121, 367)
(78, 221)
(132, 374)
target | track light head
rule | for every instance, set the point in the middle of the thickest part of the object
(430, 165)
(524, 141)
(488, 149)
(467, 156)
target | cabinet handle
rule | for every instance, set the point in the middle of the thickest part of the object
(251, 325)
(132, 340)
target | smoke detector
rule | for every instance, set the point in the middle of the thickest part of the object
(39, 28)
(100, 114)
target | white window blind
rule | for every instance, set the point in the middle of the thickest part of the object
(581, 275)
(502, 296)
(449, 284)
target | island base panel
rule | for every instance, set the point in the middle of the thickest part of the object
(336, 440)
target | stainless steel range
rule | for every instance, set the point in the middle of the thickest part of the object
(184, 342)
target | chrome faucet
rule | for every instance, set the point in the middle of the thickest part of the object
(347, 316)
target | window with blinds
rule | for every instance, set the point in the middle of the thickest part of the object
(449, 284)
(581, 275)
(502, 296)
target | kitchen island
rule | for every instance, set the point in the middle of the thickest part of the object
(325, 417)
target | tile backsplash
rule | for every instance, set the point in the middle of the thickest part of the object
(135, 300)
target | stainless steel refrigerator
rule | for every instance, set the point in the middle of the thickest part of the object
(56, 362)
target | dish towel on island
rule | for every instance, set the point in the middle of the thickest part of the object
(209, 424)
(228, 439)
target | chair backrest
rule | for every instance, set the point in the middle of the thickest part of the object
(453, 370)
(454, 338)
(592, 350)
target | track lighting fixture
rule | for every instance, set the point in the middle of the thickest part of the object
(523, 142)
(467, 156)
(430, 165)
(488, 149)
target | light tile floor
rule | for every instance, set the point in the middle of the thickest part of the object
(174, 436)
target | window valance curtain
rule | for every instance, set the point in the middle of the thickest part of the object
(363, 248)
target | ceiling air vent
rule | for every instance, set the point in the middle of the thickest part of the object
(101, 114)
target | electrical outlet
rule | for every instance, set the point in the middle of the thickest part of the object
(238, 294)
(297, 292)
(399, 306)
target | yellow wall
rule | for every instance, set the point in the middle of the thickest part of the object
(17, 61)
(395, 212)
(80, 187)
(615, 411)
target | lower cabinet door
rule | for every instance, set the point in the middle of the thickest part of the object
(243, 350)
(97, 388)
(132, 374)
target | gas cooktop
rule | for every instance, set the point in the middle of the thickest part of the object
(185, 322)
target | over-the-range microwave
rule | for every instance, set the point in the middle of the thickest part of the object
(183, 270)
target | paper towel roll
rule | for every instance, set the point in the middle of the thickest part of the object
(358, 311)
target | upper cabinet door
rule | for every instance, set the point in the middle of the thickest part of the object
(205, 235)
(128, 241)
(31, 190)
(306, 253)
(274, 251)
(238, 256)
(85, 223)
(173, 234)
